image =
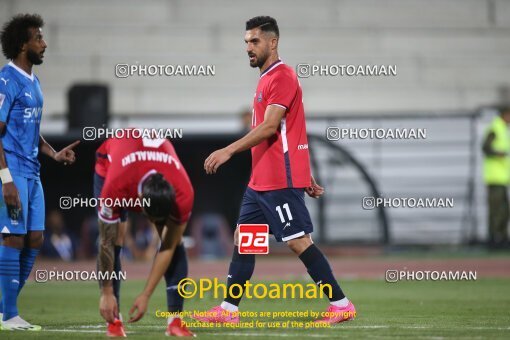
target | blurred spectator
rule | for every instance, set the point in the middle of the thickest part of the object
(142, 241)
(246, 117)
(89, 233)
(210, 233)
(496, 148)
(58, 243)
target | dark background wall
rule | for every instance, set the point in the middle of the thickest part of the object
(220, 193)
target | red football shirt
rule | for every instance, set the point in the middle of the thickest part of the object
(282, 160)
(126, 162)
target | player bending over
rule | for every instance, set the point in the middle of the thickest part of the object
(280, 174)
(147, 170)
(22, 201)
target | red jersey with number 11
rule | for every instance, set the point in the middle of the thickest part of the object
(282, 160)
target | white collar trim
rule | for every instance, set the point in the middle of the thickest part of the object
(23, 73)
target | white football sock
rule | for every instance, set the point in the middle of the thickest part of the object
(228, 306)
(340, 303)
(171, 318)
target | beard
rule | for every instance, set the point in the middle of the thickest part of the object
(259, 61)
(34, 58)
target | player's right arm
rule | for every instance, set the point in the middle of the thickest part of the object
(272, 120)
(9, 190)
(106, 253)
(281, 93)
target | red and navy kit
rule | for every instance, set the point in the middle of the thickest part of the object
(122, 164)
(281, 163)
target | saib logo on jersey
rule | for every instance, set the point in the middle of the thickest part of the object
(32, 115)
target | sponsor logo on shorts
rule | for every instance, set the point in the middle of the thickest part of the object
(253, 239)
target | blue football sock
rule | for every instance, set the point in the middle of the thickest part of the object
(240, 270)
(27, 260)
(9, 280)
(177, 270)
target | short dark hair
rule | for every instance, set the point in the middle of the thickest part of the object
(161, 195)
(265, 23)
(15, 33)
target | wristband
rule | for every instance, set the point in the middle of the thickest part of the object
(5, 176)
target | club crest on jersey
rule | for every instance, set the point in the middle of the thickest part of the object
(259, 98)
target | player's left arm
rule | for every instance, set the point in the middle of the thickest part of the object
(66, 155)
(171, 235)
(266, 129)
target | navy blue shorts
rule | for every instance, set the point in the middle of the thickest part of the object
(284, 210)
(98, 187)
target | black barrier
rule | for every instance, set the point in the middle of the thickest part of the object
(445, 164)
(220, 193)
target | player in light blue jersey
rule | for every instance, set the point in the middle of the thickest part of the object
(22, 199)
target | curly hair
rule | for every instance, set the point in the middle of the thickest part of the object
(16, 32)
(265, 23)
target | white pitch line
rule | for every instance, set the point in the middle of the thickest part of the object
(72, 330)
(283, 335)
(102, 328)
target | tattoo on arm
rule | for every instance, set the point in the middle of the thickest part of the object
(106, 256)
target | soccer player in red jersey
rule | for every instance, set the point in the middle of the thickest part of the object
(144, 175)
(280, 174)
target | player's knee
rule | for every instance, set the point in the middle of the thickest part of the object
(236, 237)
(35, 240)
(299, 245)
(13, 241)
(121, 234)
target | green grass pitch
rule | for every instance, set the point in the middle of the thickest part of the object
(421, 310)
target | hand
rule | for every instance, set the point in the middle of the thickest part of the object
(11, 199)
(66, 155)
(217, 158)
(315, 190)
(140, 305)
(108, 307)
